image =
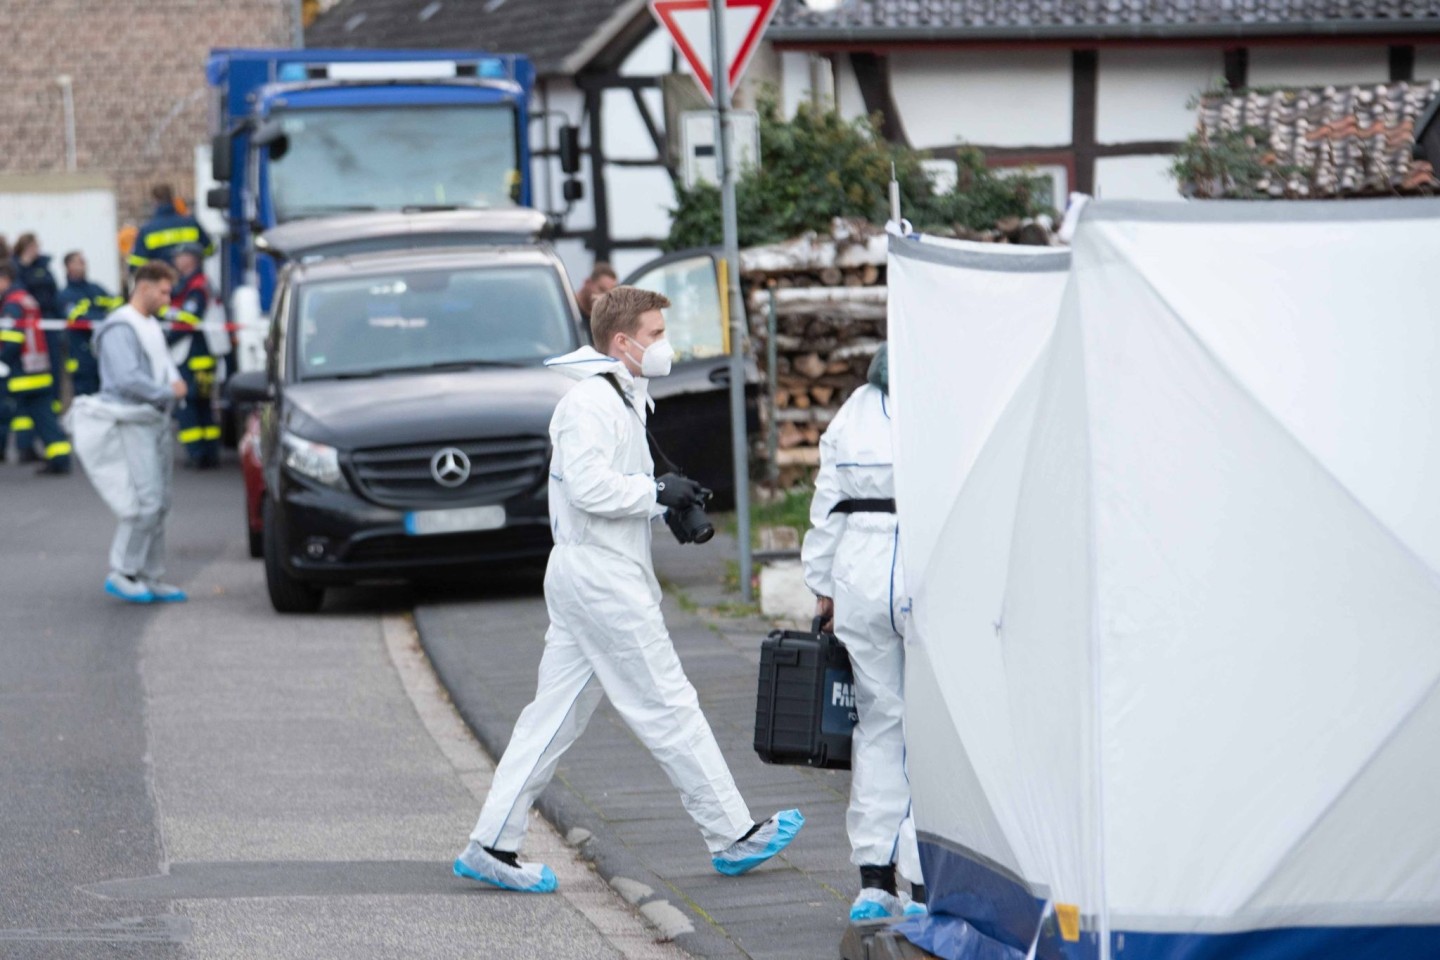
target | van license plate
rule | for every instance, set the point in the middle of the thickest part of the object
(420, 523)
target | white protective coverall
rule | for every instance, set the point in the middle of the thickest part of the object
(606, 632)
(855, 559)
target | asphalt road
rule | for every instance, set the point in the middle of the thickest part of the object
(211, 780)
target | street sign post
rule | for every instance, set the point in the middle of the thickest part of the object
(699, 29)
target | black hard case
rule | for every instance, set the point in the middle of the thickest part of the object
(805, 703)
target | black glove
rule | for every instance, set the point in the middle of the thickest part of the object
(677, 492)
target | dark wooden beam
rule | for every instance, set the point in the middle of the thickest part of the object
(1237, 68)
(600, 243)
(651, 128)
(1402, 63)
(872, 73)
(1084, 70)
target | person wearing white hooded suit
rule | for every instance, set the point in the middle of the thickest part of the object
(852, 564)
(607, 636)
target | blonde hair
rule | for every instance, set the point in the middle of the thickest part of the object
(619, 312)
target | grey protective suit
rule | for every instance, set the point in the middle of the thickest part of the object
(136, 400)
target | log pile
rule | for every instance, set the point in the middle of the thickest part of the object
(829, 302)
(829, 298)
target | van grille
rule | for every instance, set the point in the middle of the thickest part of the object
(500, 468)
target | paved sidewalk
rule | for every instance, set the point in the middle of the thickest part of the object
(610, 796)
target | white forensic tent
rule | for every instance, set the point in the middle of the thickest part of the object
(1174, 561)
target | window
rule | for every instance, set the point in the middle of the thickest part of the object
(393, 157)
(404, 321)
(693, 324)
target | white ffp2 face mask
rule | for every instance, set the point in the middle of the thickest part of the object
(656, 359)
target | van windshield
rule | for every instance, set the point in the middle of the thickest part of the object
(431, 319)
(388, 158)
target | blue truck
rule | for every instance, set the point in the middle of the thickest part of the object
(301, 134)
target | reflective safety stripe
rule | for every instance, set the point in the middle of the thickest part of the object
(212, 433)
(202, 363)
(11, 336)
(80, 309)
(22, 423)
(171, 237)
(56, 406)
(192, 435)
(61, 449)
(182, 316)
(72, 365)
(110, 303)
(38, 381)
(135, 260)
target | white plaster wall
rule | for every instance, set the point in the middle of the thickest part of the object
(626, 262)
(794, 83)
(623, 128)
(1144, 94)
(1317, 66)
(1427, 63)
(639, 200)
(848, 99)
(1135, 178)
(998, 99)
(651, 58)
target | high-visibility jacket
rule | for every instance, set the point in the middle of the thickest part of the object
(22, 346)
(165, 231)
(188, 303)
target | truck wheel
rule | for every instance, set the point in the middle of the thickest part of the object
(287, 594)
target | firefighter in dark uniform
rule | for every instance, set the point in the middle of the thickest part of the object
(30, 386)
(84, 304)
(165, 231)
(32, 272)
(199, 430)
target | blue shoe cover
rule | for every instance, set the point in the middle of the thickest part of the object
(476, 864)
(913, 909)
(165, 593)
(773, 836)
(873, 904)
(119, 592)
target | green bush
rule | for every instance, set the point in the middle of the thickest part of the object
(818, 166)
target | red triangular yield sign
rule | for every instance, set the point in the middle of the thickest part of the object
(688, 23)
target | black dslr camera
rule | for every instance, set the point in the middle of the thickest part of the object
(689, 524)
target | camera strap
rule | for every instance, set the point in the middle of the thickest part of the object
(665, 464)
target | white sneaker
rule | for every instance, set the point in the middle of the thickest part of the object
(476, 863)
(874, 904)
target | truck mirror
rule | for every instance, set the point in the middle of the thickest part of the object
(569, 149)
(272, 136)
(220, 156)
(574, 190)
(218, 198)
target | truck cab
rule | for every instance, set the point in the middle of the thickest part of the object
(304, 134)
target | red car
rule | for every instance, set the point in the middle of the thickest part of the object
(253, 469)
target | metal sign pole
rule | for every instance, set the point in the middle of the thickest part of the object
(730, 275)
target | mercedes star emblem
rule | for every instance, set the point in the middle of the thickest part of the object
(450, 467)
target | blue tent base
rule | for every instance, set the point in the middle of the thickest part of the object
(980, 911)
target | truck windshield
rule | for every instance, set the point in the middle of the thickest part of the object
(431, 319)
(387, 158)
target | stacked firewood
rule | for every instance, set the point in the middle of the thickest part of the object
(828, 296)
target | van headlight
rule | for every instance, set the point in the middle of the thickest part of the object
(314, 460)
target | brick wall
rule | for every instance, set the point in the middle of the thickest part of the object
(138, 69)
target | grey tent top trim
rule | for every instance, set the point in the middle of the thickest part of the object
(1262, 211)
(1042, 260)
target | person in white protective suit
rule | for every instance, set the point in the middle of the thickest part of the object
(607, 636)
(122, 436)
(852, 565)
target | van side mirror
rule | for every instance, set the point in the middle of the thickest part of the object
(221, 147)
(252, 386)
(569, 149)
(218, 198)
